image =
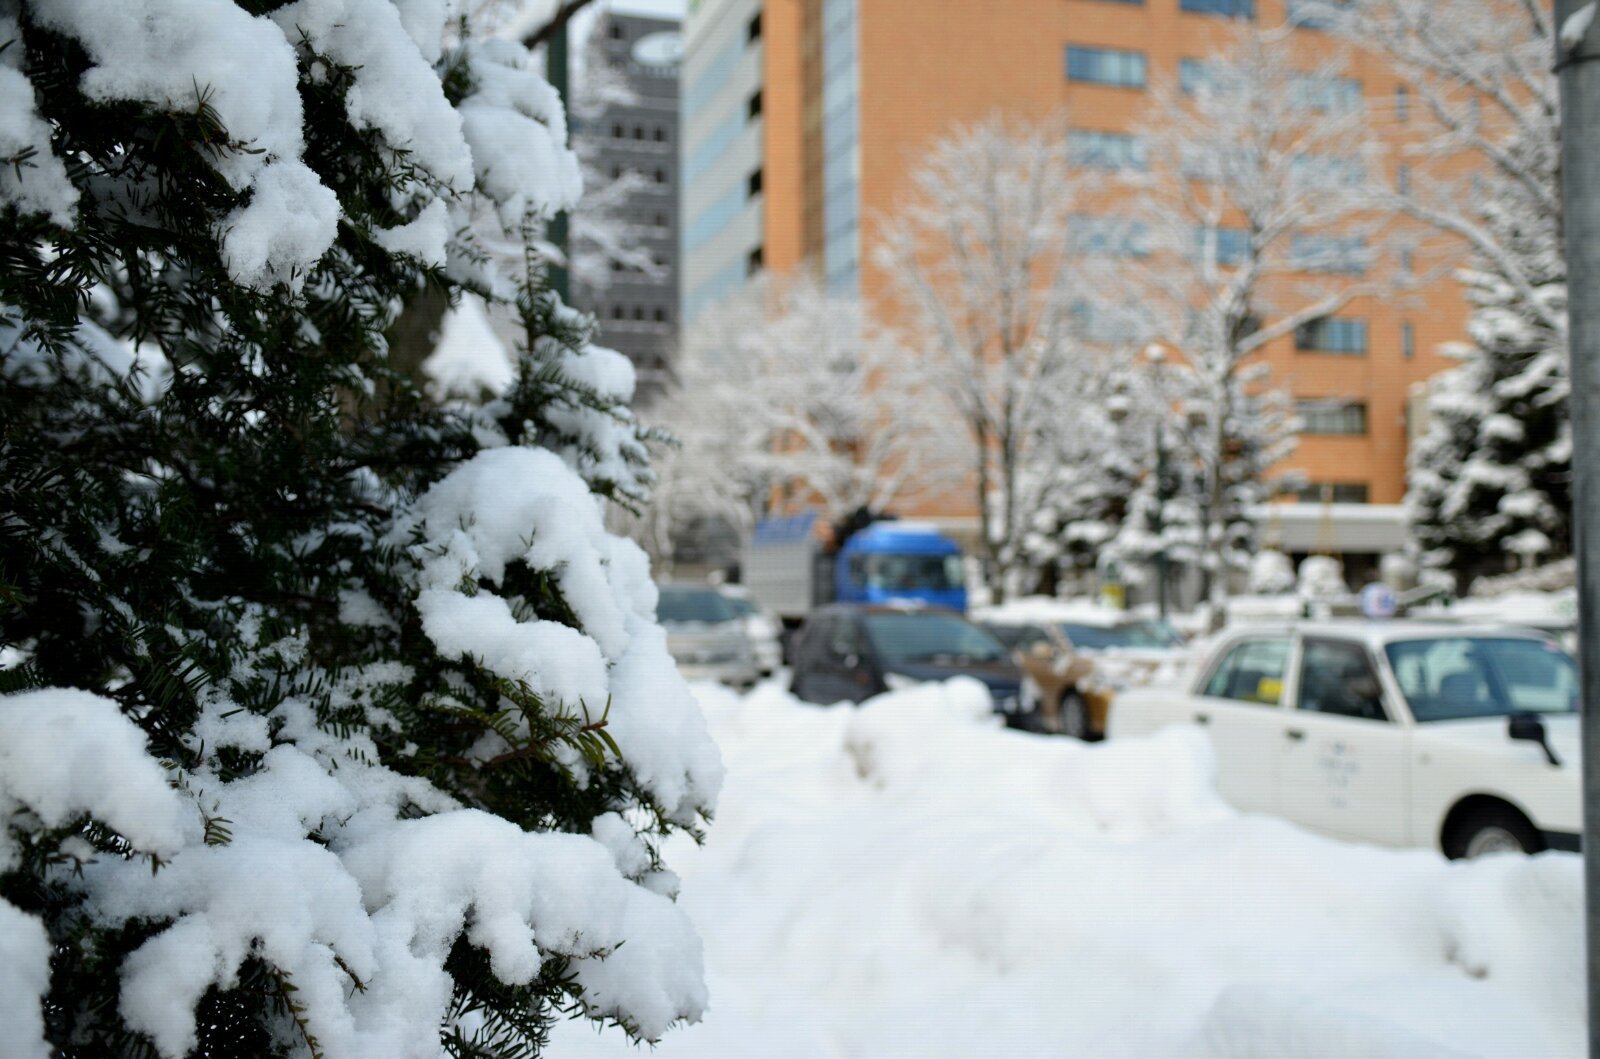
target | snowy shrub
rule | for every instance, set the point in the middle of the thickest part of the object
(332, 721)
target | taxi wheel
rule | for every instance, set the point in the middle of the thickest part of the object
(1074, 715)
(1491, 829)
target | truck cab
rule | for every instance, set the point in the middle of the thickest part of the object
(901, 562)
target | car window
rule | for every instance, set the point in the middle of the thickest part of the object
(843, 640)
(931, 636)
(1017, 637)
(1453, 677)
(813, 645)
(742, 607)
(1337, 677)
(1251, 672)
(683, 605)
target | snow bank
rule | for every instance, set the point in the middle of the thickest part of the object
(907, 878)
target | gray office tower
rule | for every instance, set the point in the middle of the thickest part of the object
(637, 303)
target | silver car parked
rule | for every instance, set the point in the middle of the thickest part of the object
(705, 635)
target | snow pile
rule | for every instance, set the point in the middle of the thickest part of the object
(918, 881)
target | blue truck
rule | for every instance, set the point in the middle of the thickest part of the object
(787, 569)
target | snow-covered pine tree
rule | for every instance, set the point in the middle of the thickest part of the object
(331, 722)
(1491, 476)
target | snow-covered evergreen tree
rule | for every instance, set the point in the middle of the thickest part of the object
(1489, 477)
(332, 722)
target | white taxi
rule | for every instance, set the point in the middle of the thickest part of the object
(1459, 737)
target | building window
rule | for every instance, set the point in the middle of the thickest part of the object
(1402, 103)
(1402, 180)
(1326, 94)
(1195, 75)
(1332, 335)
(616, 132)
(1103, 66)
(638, 132)
(752, 32)
(660, 175)
(1094, 149)
(752, 108)
(1408, 340)
(616, 172)
(753, 185)
(1332, 417)
(661, 220)
(1334, 493)
(1345, 254)
(1228, 8)
(1305, 14)
(661, 134)
(661, 315)
(1108, 236)
(753, 262)
(1229, 245)
(614, 31)
(1407, 261)
(616, 310)
(638, 312)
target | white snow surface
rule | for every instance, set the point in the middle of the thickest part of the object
(1031, 609)
(908, 879)
(41, 184)
(1577, 24)
(469, 359)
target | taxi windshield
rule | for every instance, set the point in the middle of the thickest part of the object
(1454, 677)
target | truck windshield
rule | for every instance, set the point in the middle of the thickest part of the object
(1454, 677)
(899, 573)
(936, 638)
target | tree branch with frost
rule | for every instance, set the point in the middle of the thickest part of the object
(978, 253)
(1259, 208)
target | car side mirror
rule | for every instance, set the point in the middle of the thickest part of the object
(1528, 726)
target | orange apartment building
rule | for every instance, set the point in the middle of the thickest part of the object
(803, 120)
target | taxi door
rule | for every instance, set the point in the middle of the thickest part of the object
(1343, 759)
(1239, 705)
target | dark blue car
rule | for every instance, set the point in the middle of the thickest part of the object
(852, 652)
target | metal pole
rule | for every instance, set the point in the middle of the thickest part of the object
(1160, 521)
(1578, 66)
(555, 64)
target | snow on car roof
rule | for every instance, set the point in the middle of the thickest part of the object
(1034, 610)
(1376, 634)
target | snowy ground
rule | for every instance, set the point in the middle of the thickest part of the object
(904, 879)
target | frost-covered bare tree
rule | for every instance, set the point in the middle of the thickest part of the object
(1491, 473)
(988, 287)
(1259, 214)
(787, 389)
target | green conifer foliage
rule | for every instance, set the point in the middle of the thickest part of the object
(209, 517)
